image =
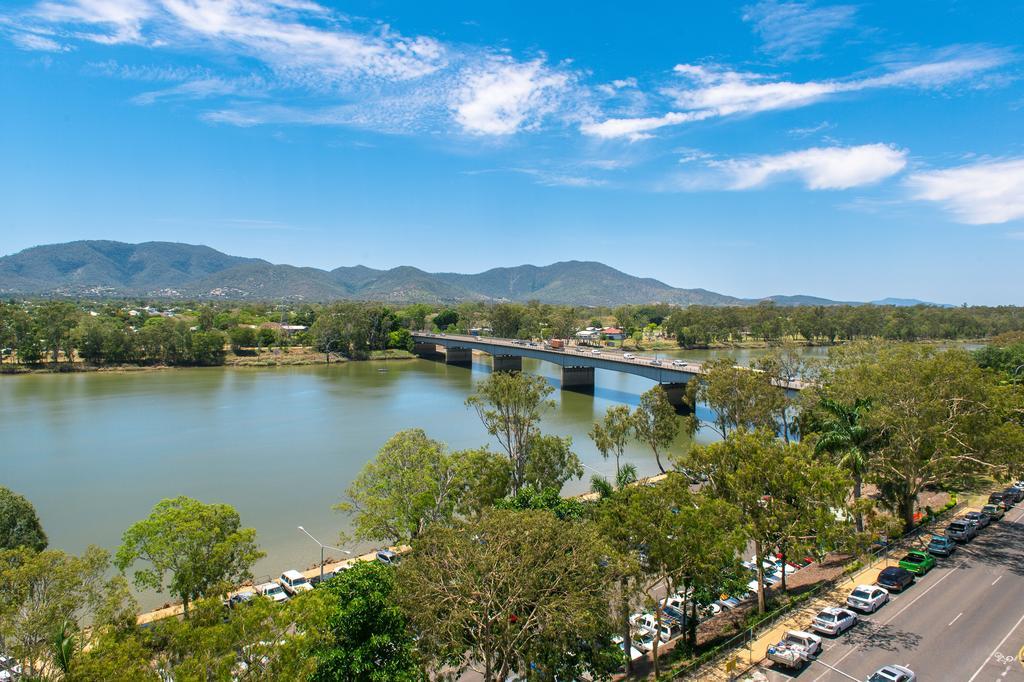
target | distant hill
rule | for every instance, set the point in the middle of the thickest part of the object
(172, 270)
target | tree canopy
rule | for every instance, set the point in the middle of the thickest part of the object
(19, 524)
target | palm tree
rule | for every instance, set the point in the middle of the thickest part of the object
(845, 437)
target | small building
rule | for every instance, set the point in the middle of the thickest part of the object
(613, 334)
(588, 336)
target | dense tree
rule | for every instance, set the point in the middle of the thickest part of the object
(482, 478)
(446, 318)
(739, 397)
(197, 549)
(941, 420)
(510, 591)
(19, 524)
(507, 321)
(50, 592)
(781, 490)
(843, 435)
(550, 462)
(410, 484)
(510, 405)
(55, 321)
(367, 636)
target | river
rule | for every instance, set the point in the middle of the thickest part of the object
(95, 451)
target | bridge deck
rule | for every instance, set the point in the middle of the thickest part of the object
(661, 370)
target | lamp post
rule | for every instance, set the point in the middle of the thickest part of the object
(322, 547)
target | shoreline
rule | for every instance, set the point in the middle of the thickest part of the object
(269, 359)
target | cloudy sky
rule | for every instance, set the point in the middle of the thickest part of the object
(846, 150)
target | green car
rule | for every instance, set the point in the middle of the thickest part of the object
(917, 562)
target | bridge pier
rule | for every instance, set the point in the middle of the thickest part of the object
(458, 356)
(426, 350)
(507, 363)
(676, 393)
(578, 379)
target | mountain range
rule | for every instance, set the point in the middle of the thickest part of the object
(172, 270)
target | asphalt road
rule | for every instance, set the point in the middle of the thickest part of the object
(963, 622)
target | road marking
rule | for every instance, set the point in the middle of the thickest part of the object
(997, 580)
(1001, 643)
(955, 619)
(837, 670)
(886, 622)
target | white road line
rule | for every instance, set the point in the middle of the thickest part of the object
(955, 619)
(997, 580)
(886, 622)
(1001, 643)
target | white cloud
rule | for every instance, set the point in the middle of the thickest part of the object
(102, 21)
(712, 91)
(979, 193)
(790, 30)
(505, 96)
(817, 167)
(36, 42)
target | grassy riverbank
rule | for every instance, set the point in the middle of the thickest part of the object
(292, 356)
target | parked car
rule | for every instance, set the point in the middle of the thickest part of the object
(272, 591)
(940, 545)
(979, 518)
(795, 649)
(388, 557)
(867, 598)
(999, 498)
(917, 562)
(634, 653)
(294, 582)
(994, 511)
(1014, 493)
(834, 621)
(648, 622)
(893, 673)
(961, 531)
(644, 641)
(895, 578)
(240, 597)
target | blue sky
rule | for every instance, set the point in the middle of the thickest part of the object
(854, 150)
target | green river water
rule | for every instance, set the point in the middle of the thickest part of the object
(95, 451)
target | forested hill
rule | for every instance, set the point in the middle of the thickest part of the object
(173, 270)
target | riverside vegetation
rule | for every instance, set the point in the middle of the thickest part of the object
(63, 335)
(505, 576)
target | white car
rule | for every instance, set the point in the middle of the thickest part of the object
(678, 363)
(867, 598)
(834, 621)
(628, 356)
(272, 591)
(893, 673)
(294, 582)
(644, 641)
(648, 622)
(634, 653)
(595, 352)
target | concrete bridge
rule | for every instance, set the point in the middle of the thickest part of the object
(578, 362)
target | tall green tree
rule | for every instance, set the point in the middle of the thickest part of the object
(656, 423)
(191, 549)
(612, 433)
(844, 436)
(739, 397)
(19, 523)
(55, 321)
(782, 492)
(511, 405)
(509, 591)
(410, 484)
(367, 636)
(942, 421)
(550, 462)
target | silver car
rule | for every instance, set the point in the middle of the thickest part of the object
(893, 673)
(834, 621)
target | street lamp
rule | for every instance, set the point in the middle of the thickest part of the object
(322, 547)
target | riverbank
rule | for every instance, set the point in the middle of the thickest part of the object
(287, 357)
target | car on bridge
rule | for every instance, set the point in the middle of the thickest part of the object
(628, 356)
(917, 562)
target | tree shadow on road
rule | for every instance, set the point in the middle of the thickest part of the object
(886, 637)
